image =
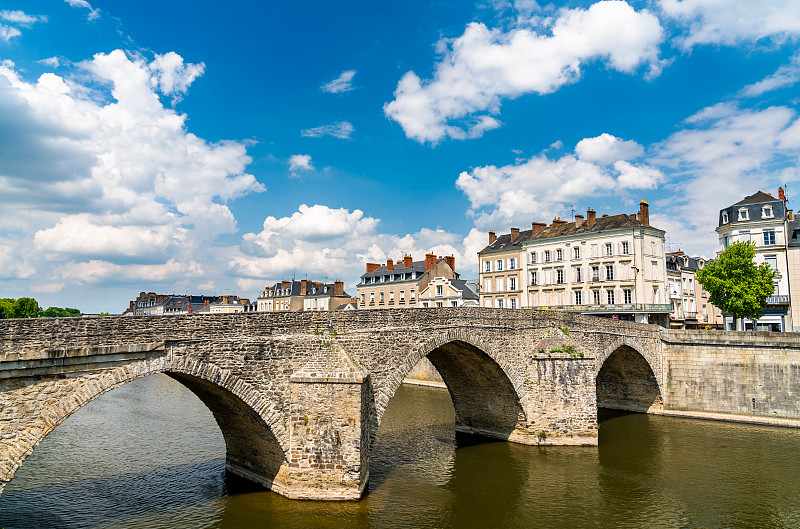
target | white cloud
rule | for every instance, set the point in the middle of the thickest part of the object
(7, 33)
(97, 271)
(733, 21)
(328, 244)
(343, 83)
(20, 17)
(83, 4)
(637, 176)
(300, 162)
(53, 62)
(484, 66)
(784, 77)
(48, 287)
(107, 179)
(606, 149)
(341, 129)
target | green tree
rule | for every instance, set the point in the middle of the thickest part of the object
(26, 308)
(58, 312)
(735, 284)
(7, 307)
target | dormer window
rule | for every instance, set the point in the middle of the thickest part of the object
(744, 214)
(724, 217)
(767, 213)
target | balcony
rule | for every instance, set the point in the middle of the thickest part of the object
(777, 300)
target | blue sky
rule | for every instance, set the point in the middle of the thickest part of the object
(195, 147)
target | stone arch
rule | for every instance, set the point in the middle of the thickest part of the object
(486, 397)
(628, 377)
(214, 386)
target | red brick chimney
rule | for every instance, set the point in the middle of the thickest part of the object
(451, 261)
(492, 237)
(644, 213)
(303, 288)
(205, 303)
(371, 267)
(514, 234)
(408, 262)
(558, 222)
(389, 265)
(591, 216)
(579, 221)
(537, 227)
(430, 261)
(781, 194)
(338, 288)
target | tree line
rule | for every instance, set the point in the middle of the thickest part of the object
(29, 308)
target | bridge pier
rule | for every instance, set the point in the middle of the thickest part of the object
(329, 438)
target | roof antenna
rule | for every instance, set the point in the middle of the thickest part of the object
(572, 207)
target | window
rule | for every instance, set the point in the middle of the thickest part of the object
(402, 295)
(772, 261)
(547, 256)
(725, 241)
(744, 235)
(578, 275)
(691, 286)
(381, 297)
(655, 270)
(744, 214)
(533, 257)
(498, 265)
(627, 296)
(391, 295)
(372, 297)
(576, 252)
(625, 249)
(578, 296)
(411, 294)
(560, 276)
(512, 284)
(608, 250)
(559, 255)
(609, 272)
(512, 303)
(454, 303)
(487, 285)
(724, 217)
(499, 303)
(487, 266)
(440, 290)
(594, 250)
(610, 297)
(512, 263)
(499, 284)
(487, 303)
(767, 213)
(596, 296)
(534, 278)
(595, 273)
(424, 304)
(769, 237)
(439, 304)
(363, 298)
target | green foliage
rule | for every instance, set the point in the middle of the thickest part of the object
(564, 329)
(7, 307)
(735, 284)
(26, 308)
(29, 308)
(57, 312)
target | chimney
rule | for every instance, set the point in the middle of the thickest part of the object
(781, 194)
(131, 306)
(408, 262)
(205, 303)
(644, 213)
(578, 221)
(389, 265)
(303, 288)
(537, 227)
(451, 261)
(430, 261)
(190, 308)
(284, 283)
(591, 216)
(632, 216)
(338, 288)
(514, 234)
(789, 214)
(492, 237)
(371, 267)
(558, 222)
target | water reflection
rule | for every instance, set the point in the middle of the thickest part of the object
(150, 455)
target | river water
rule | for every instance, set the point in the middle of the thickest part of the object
(149, 455)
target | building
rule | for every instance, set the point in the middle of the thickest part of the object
(690, 306)
(398, 285)
(291, 296)
(152, 304)
(611, 266)
(229, 305)
(765, 221)
(443, 292)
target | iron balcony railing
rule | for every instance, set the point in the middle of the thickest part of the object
(627, 307)
(778, 300)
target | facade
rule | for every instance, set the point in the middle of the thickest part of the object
(229, 305)
(611, 266)
(443, 292)
(152, 304)
(398, 285)
(690, 306)
(293, 296)
(763, 220)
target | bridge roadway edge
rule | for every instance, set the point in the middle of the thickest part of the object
(702, 374)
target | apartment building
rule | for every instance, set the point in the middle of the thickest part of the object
(293, 295)
(152, 304)
(610, 266)
(765, 221)
(691, 308)
(398, 284)
(443, 292)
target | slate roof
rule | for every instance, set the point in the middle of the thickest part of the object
(753, 203)
(677, 261)
(757, 198)
(466, 288)
(611, 222)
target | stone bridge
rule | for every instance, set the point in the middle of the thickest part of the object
(299, 397)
